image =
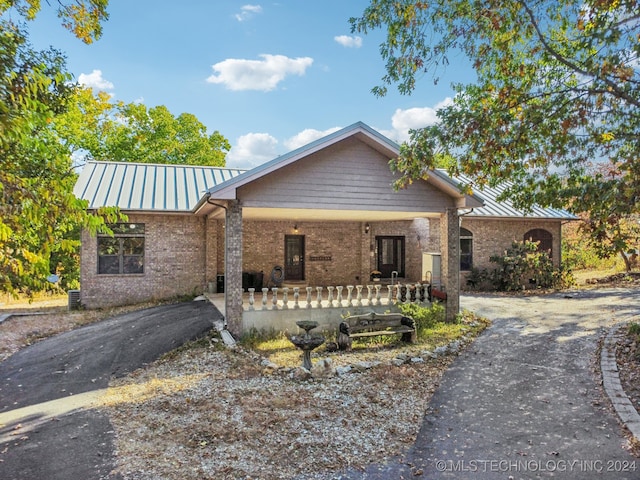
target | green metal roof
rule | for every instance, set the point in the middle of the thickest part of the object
(146, 186)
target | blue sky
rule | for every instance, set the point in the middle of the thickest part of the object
(270, 76)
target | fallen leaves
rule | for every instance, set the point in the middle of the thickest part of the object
(237, 423)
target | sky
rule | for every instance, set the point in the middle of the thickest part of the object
(270, 76)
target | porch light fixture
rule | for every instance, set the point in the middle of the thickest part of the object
(295, 227)
(367, 227)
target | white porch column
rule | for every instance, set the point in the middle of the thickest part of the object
(450, 242)
(233, 268)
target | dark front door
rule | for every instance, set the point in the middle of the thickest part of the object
(390, 256)
(294, 257)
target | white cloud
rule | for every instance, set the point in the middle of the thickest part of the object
(348, 41)
(248, 11)
(251, 150)
(94, 80)
(240, 74)
(413, 118)
(306, 136)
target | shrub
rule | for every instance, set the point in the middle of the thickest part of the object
(480, 279)
(425, 317)
(524, 267)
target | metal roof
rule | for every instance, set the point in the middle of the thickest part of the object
(505, 209)
(146, 186)
(182, 188)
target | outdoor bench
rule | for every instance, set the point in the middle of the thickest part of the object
(373, 324)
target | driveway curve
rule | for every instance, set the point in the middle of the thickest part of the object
(524, 401)
(44, 431)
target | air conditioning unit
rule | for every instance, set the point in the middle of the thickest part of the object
(74, 299)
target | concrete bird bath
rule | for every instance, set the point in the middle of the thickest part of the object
(307, 342)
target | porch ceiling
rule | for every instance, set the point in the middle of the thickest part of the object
(303, 214)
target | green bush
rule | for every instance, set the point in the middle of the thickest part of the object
(425, 317)
(523, 267)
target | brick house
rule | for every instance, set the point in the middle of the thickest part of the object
(324, 214)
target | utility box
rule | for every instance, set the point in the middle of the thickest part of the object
(74, 299)
(432, 269)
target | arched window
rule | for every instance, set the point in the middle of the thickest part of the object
(542, 236)
(466, 249)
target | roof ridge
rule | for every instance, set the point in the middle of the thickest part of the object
(144, 164)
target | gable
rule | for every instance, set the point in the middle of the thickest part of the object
(348, 175)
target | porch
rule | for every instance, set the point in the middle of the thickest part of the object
(327, 214)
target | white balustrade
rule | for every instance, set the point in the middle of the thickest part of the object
(251, 298)
(335, 298)
(359, 295)
(309, 297)
(339, 288)
(349, 294)
(296, 297)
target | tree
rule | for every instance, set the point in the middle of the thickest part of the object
(557, 93)
(103, 130)
(81, 17)
(37, 205)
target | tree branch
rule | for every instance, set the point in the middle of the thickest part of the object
(564, 61)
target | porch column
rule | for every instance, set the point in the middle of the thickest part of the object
(450, 241)
(233, 268)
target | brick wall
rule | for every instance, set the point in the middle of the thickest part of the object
(183, 253)
(351, 249)
(174, 263)
(493, 237)
(342, 241)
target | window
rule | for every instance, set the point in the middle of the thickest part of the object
(466, 249)
(124, 252)
(544, 237)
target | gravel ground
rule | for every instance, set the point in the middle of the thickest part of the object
(235, 416)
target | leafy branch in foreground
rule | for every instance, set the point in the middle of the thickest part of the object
(557, 95)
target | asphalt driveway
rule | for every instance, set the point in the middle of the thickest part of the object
(44, 432)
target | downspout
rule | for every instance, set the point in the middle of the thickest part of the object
(214, 203)
(460, 215)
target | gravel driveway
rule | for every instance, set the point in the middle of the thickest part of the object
(524, 401)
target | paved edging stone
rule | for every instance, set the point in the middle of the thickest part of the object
(612, 386)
